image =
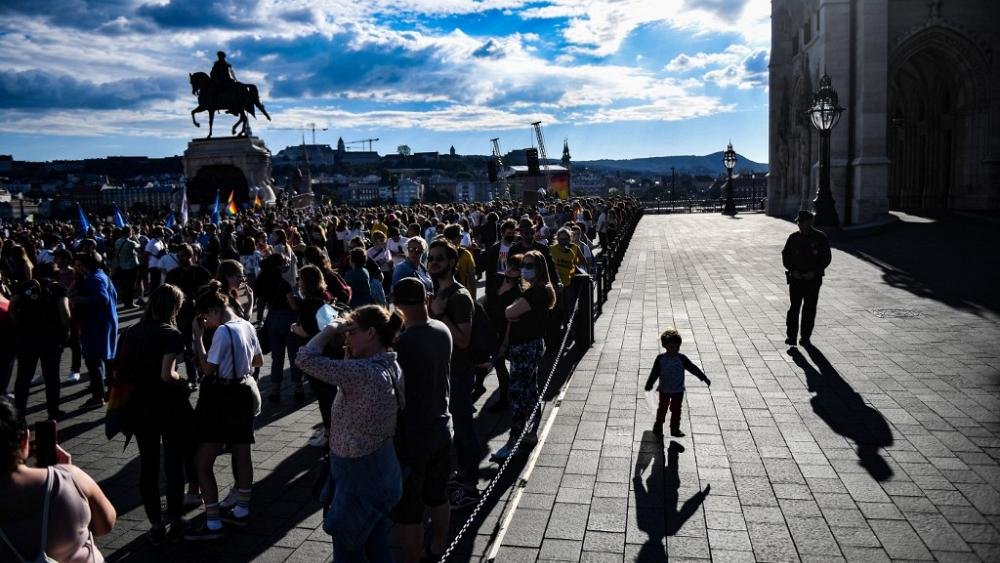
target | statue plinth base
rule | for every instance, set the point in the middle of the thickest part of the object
(225, 164)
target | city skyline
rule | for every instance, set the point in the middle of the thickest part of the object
(620, 80)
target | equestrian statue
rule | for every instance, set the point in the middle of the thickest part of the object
(220, 91)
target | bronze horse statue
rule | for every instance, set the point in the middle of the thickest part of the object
(235, 98)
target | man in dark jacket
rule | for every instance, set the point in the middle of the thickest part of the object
(805, 256)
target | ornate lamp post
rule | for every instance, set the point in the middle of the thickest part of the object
(824, 115)
(729, 160)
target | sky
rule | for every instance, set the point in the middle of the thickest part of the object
(613, 78)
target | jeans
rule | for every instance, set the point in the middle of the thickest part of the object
(804, 295)
(466, 441)
(364, 490)
(281, 338)
(74, 348)
(673, 401)
(178, 456)
(27, 358)
(95, 371)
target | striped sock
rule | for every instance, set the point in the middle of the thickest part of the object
(242, 507)
(212, 519)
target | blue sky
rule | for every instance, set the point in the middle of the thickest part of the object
(617, 78)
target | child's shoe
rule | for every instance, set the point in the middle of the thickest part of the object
(676, 433)
(658, 428)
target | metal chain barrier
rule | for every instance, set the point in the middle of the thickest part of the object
(517, 444)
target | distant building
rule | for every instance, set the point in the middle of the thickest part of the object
(409, 191)
(363, 191)
(317, 154)
(125, 197)
(521, 180)
(475, 190)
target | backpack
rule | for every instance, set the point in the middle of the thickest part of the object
(484, 339)
(130, 259)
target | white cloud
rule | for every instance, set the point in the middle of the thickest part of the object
(738, 66)
(452, 118)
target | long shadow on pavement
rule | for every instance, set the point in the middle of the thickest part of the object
(844, 410)
(656, 498)
(965, 266)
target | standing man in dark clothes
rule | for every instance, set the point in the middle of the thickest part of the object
(423, 435)
(805, 256)
(453, 305)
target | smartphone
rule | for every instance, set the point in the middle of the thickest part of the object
(46, 438)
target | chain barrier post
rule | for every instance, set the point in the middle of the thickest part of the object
(584, 286)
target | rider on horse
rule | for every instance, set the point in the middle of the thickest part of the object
(222, 71)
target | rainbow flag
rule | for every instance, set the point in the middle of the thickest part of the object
(257, 202)
(231, 206)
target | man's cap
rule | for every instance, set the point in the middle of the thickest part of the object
(804, 215)
(408, 291)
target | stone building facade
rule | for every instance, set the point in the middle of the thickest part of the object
(921, 85)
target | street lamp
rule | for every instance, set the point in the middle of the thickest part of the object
(729, 160)
(824, 115)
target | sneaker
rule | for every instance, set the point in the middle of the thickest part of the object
(191, 501)
(676, 433)
(73, 377)
(229, 517)
(502, 454)
(231, 499)
(462, 498)
(319, 439)
(790, 341)
(201, 532)
(94, 403)
(192, 386)
(175, 533)
(299, 393)
(157, 535)
(37, 380)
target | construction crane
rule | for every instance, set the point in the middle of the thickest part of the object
(498, 158)
(363, 141)
(312, 127)
(541, 152)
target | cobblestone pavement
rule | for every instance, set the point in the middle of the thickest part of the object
(881, 443)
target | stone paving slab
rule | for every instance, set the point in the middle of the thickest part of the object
(881, 444)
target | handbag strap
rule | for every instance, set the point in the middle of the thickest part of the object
(232, 350)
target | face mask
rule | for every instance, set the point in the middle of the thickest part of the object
(528, 274)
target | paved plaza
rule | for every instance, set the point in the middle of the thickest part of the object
(879, 443)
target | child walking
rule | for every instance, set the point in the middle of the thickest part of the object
(669, 368)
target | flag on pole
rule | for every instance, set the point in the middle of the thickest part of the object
(184, 207)
(171, 221)
(215, 209)
(120, 219)
(82, 221)
(231, 209)
(257, 202)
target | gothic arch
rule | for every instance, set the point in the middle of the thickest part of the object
(938, 119)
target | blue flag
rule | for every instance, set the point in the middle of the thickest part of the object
(84, 224)
(120, 220)
(215, 210)
(171, 221)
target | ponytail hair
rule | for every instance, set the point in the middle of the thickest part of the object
(211, 297)
(386, 324)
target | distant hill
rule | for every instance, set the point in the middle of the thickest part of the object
(710, 164)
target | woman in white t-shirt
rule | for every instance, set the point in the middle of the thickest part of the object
(228, 402)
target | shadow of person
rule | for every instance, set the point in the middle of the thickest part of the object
(845, 411)
(676, 517)
(656, 497)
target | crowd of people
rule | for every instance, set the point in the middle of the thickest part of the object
(391, 317)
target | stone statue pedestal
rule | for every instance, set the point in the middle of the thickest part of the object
(227, 164)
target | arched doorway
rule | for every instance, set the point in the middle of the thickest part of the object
(936, 121)
(224, 178)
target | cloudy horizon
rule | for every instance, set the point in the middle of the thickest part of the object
(618, 79)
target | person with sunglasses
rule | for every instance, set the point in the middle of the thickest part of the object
(413, 266)
(527, 317)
